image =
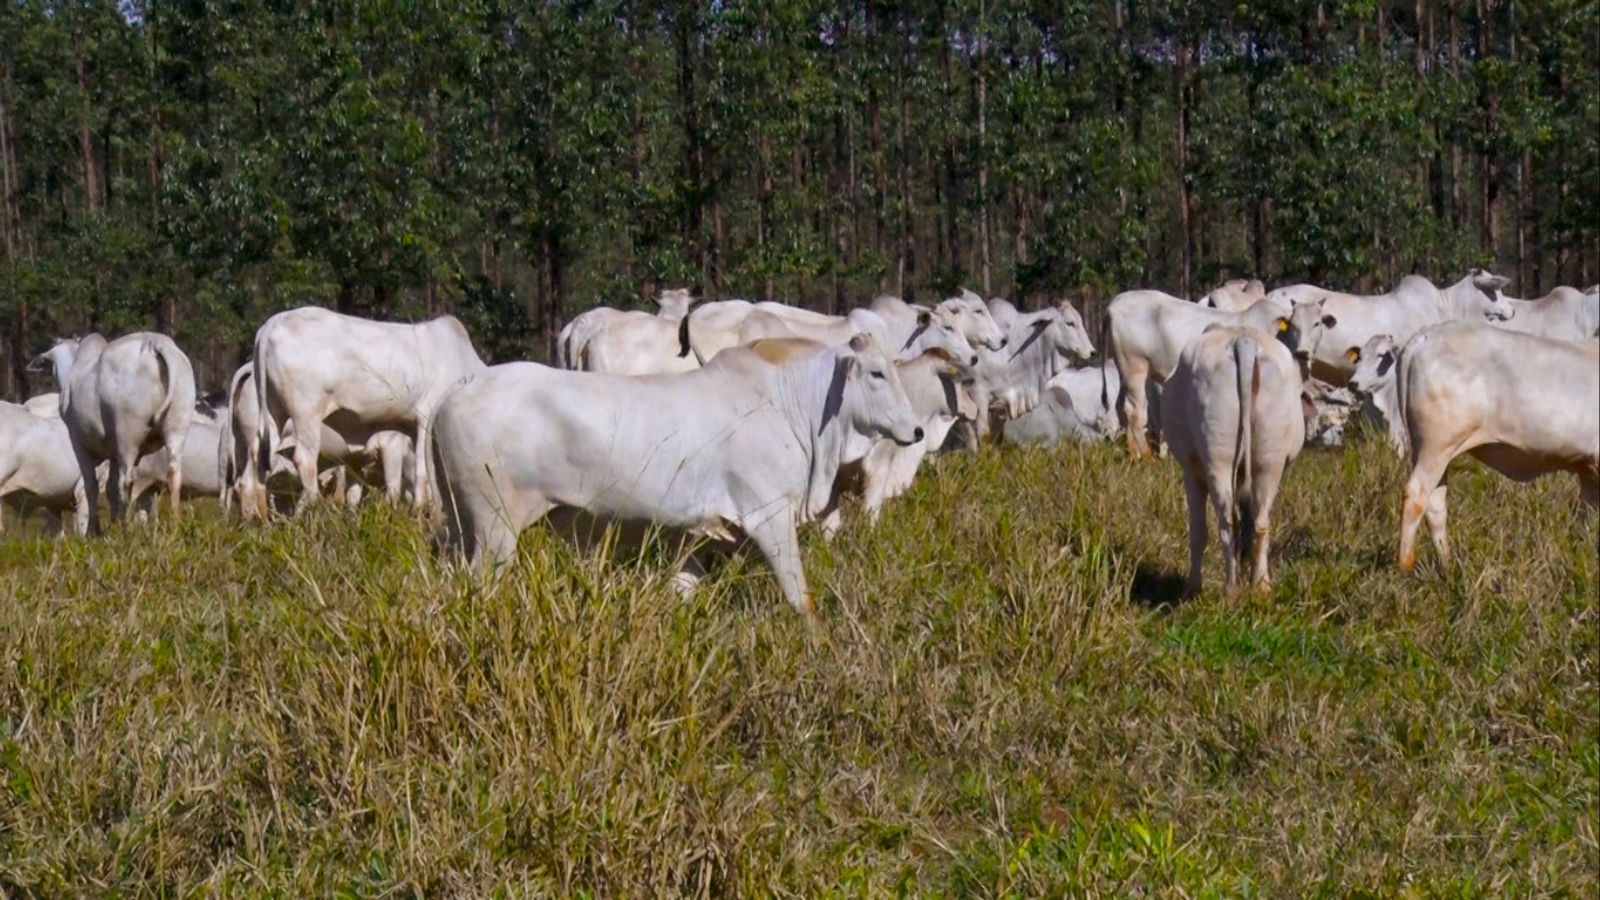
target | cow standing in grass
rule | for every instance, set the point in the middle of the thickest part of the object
(1234, 421)
(121, 400)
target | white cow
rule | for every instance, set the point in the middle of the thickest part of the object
(1325, 324)
(741, 444)
(201, 464)
(1235, 296)
(636, 342)
(121, 400)
(1234, 422)
(1523, 405)
(1146, 332)
(710, 328)
(1038, 345)
(1074, 408)
(1374, 382)
(965, 312)
(313, 366)
(1564, 314)
(940, 390)
(37, 466)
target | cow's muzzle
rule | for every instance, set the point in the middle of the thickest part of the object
(916, 437)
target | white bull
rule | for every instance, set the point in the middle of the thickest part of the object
(627, 342)
(1038, 345)
(121, 400)
(1074, 409)
(1326, 324)
(313, 366)
(1146, 332)
(1234, 423)
(741, 444)
(1523, 405)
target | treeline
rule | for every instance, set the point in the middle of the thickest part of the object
(193, 166)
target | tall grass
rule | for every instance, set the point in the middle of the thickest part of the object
(1002, 697)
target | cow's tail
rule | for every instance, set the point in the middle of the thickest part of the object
(684, 347)
(267, 431)
(563, 346)
(165, 369)
(1111, 354)
(1248, 379)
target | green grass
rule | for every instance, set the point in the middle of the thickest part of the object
(999, 700)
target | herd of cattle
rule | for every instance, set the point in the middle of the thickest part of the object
(740, 421)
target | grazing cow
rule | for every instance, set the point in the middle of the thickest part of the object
(1325, 324)
(121, 400)
(1374, 382)
(1564, 314)
(1235, 296)
(742, 444)
(1038, 345)
(360, 377)
(1073, 408)
(1146, 332)
(1234, 422)
(627, 342)
(38, 467)
(1523, 405)
(201, 464)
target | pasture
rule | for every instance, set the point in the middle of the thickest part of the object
(999, 699)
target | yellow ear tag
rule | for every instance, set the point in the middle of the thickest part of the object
(1283, 324)
(1353, 354)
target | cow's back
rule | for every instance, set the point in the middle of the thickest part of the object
(36, 456)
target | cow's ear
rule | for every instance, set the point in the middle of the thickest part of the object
(1385, 362)
(1256, 286)
(843, 370)
(859, 341)
(924, 318)
(1329, 321)
(1353, 355)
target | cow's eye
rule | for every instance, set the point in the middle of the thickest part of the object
(879, 375)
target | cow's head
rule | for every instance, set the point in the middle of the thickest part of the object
(1235, 296)
(867, 397)
(1374, 362)
(1497, 307)
(971, 316)
(1303, 330)
(1072, 338)
(674, 304)
(938, 330)
(58, 358)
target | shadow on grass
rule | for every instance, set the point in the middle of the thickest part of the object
(1155, 588)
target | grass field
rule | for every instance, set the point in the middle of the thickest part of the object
(999, 700)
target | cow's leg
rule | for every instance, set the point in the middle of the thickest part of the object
(393, 460)
(774, 534)
(145, 504)
(353, 495)
(1194, 489)
(85, 497)
(422, 490)
(119, 483)
(307, 447)
(340, 476)
(1134, 413)
(1438, 513)
(1225, 505)
(1426, 473)
(832, 523)
(174, 445)
(1266, 496)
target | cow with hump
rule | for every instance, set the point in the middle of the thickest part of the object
(1523, 405)
(751, 444)
(121, 400)
(1326, 324)
(314, 367)
(1234, 423)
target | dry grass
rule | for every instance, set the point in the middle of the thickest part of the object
(998, 701)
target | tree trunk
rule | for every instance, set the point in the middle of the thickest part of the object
(1185, 213)
(984, 245)
(685, 33)
(91, 166)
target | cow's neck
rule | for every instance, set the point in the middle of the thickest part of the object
(802, 390)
